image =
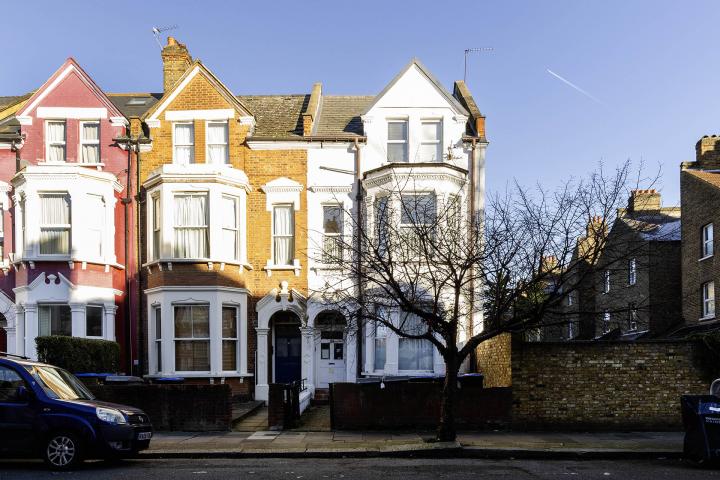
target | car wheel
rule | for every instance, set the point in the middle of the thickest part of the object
(62, 451)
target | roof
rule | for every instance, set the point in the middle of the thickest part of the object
(340, 115)
(656, 226)
(134, 104)
(6, 102)
(711, 177)
(277, 116)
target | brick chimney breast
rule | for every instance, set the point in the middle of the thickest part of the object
(176, 59)
(707, 152)
(644, 200)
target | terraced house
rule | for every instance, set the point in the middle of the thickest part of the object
(239, 196)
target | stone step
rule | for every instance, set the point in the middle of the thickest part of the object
(242, 410)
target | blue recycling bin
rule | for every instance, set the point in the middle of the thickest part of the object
(701, 419)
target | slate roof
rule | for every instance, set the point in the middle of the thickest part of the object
(340, 115)
(711, 177)
(6, 102)
(277, 116)
(656, 227)
(129, 103)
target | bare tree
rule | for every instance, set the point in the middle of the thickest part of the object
(431, 271)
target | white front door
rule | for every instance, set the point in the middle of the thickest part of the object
(331, 362)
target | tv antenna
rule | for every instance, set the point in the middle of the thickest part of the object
(158, 30)
(474, 50)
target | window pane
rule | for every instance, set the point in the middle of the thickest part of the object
(430, 152)
(184, 143)
(229, 355)
(397, 131)
(54, 320)
(90, 131)
(380, 353)
(430, 131)
(94, 321)
(397, 152)
(201, 321)
(190, 226)
(56, 132)
(96, 219)
(90, 154)
(229, 322)
(192, 355)
(418, 209)
(55, 209)
(183, 322)
(217, 139)
(283, 231)
(414, 354)
(332, 219)
(229, 212)
(158, 323)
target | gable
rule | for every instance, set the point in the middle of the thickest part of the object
(414, 86)
(199, 94)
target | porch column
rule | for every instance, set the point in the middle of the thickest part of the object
(261, 385)
(31, 329)
(351, 360)
(16, 339)
(307, 355)
(77, 314)
(109, 321)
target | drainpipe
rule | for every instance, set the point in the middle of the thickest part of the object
(126, 211)
(358, 247)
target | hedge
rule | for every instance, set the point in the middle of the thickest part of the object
(79, 355)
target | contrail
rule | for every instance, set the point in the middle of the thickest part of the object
(569, 83)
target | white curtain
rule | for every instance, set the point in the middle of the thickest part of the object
(217, 139)
(184, 143)
(230, 228)
(43, 321)
(56, 141)
(90, 142)
(283, 235)
(96, 224)
(414, 354)
(55, 224)
(191, 226)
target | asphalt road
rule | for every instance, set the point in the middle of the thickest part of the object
(364, 469)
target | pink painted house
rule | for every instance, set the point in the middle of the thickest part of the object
(68, 247)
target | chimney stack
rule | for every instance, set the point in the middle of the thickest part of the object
(644, 201)
(176, 59)
(707, 152)
(310, 114)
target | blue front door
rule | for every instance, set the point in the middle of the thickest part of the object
(287, 353)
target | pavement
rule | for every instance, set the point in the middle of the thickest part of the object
(321, 444)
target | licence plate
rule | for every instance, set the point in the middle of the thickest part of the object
(144, 436)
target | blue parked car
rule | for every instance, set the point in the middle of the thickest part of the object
(47, 412)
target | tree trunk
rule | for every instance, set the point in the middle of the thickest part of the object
(446, 429)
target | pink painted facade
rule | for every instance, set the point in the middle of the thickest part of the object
(71, 277)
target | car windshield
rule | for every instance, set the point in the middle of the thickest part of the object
(60, 384)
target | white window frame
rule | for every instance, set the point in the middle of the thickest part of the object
(205, 227)
(413, 227)
(155, 243)
(54, 226)
(235, 339)
(328, 239)
(191, 145)
(291, 207)
(226, 144)
(606, 281)
(632, 271)
(707, 290)
(47, 139)
(83, 142)
(157, 336)
(101, 227)
(632, 318)
(438, 142)
(53, 304)
(406, 142)
(708, 247)
(380, 332)
(177, 339)
(236, 199)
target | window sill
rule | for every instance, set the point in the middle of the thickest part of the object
(705, 319)
(200, 375)
(705, 257)
(270, 267)
(210, 262)
(64, 258)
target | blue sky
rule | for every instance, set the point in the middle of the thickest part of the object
(652, 65)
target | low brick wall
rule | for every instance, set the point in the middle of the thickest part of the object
(189, 408)
(410, 404)
(493, 361)
(603, 386)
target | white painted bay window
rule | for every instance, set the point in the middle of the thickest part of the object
(191, 226)
(333, 228)
(708, 299)
(184, 143)
(90, 142)
(192, 338)
(96, 215)
(230, 227)
(55, 140)
(55, 224)
(54, 320)
(230, 339)
(217, 142)
(414, 354)
(381, 223)
(417, 218)
(431, 141)
(94, 320)
(397, 144)
(156, 227)
(157, 318)
(283, 234)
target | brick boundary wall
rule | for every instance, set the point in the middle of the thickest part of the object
(188, 408)
(604, 385)
(492, 359)
(407, 404)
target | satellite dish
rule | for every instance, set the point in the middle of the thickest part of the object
(715, 388)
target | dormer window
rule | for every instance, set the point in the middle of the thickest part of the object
(184, 143)
(55, 139)
(397, 144)
(90, 142)
(431, 141)
(217, 142)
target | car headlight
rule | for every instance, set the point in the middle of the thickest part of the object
(110, 415)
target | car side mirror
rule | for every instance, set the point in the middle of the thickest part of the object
(22, 393)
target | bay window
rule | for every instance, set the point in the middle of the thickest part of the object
(229, 338)
(192, 338)
(90, 142)
(156, 226)
(217, 142)
(431, 141)
(96, 225)
(283, 234)
(191, 226)
(397, 143)
(157, 317)
(230, 227)
(54, 320)
(414, 353)
(55, 224)
(55, 139)
(184, 143)
(417, 218)
(381, 223)
(94, 321)
(333, 227)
